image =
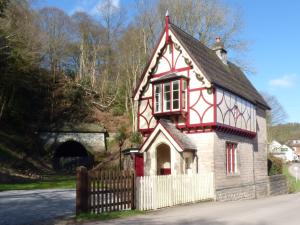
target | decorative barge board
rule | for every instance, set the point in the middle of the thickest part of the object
(191, 93)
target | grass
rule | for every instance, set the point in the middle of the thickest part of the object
(51, 182)
(109, 215)
(292, 184)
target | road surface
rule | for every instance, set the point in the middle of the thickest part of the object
(277, 210)
(35, 207)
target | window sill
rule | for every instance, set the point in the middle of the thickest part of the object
(233, 175)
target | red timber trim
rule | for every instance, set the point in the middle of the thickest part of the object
(235, 131)
(173, 70)
(215, 104)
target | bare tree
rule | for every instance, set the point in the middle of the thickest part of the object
(57, 33)
(277, 114)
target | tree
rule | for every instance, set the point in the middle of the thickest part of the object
(206, 20)
(277, 114)
(56, 28)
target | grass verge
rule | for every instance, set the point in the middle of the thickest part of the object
(48, 183)
(108, 216)
(293, 185)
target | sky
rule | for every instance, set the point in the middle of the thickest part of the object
(272, 27)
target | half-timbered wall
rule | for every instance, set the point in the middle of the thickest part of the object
(201, 107)
(234, 111)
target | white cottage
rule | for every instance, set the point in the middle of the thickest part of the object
(199, 113)
(283, 152)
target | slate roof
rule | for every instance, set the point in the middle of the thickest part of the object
(181, 138)
(230, 77)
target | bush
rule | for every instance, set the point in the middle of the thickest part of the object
(136, 138)
(275, 165)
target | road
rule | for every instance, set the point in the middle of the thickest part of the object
(35, 207)
(294, 169)
(277, 210)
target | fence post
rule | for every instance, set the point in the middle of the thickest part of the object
(82, 190)
(133, 184)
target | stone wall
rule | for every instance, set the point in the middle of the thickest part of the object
(236, 193)
(277, 185)
(271, 186)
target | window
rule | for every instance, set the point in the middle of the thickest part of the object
(231, 158)
(170, 96)
(158, 98)
(167, 97)
(183, 94)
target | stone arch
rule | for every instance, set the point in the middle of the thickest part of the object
(163, 159)
(70, 154)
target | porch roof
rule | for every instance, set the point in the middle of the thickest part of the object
(181, 141)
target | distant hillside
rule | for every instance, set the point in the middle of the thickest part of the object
(285, 132)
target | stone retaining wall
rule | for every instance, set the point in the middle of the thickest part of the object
(273, 185)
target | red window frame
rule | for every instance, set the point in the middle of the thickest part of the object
(231, 158)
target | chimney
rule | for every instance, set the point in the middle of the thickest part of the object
(219, 49)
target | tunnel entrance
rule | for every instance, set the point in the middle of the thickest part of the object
(70, 155)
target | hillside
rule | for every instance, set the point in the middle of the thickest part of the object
(285, 132)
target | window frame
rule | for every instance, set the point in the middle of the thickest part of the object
(231, 156)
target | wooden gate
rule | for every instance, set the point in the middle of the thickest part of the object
(104, 191)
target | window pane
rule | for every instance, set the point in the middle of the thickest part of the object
(157, 98)
(167, 97)
(183, 94)
(176, 94)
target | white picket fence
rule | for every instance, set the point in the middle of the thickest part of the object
(154, 192)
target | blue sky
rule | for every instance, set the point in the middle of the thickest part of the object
(273, 29)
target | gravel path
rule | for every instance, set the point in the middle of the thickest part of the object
(35, 207)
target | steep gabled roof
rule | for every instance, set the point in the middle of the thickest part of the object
(229, 77)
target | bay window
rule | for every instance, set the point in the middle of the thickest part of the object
(170, 96)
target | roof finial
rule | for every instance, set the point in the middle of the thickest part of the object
(167, 21)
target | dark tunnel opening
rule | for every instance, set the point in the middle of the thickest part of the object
(71, 154)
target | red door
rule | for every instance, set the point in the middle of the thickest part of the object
(139, 165)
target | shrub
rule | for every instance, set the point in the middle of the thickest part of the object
(136, 138)
(275, 165)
